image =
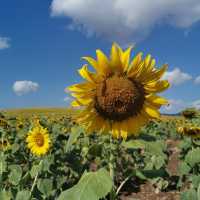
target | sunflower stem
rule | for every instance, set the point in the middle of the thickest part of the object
(111, 169)
(35, 179)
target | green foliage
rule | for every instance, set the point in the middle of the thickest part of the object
(76, 165)
(93, 185)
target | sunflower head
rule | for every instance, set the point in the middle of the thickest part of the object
(4, 145)
(191, 131)
(121, 95)
(38, 141)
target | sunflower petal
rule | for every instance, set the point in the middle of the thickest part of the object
(156, 100)
(151, 111)
(92, 62)
(157, 86)
(135, 65)
(125, 58)
(86, 74)
(103, 62)
(115, 60)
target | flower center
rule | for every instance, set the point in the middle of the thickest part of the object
(119, 98)
(39, 139)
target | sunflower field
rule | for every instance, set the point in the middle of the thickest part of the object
(160, 162)
(114, 145)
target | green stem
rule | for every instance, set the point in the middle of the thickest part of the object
(111, 169)
(35, 179)
(122, 184)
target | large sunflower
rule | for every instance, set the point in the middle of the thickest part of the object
(121, 96)
(38, 140)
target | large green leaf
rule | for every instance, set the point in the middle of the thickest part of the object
(189, 195)
(23, 195)
(92, 185)
(15, 174)
(4, 195)
(183, 168)
(45, 186)
(193, 157)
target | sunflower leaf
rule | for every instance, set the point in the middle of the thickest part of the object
(92, 185)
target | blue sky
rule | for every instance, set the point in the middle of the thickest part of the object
(42, 42)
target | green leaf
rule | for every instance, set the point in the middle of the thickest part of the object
(183, 168)
(92, 185)
(15, 174)
(35, 170)
(4, 195)
(193, 157)
(195, 181)
(189, 195)
(156, 148)
(45, 186)
(23, 195)
(134, 144)
(75, 133)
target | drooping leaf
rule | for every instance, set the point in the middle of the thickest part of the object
(15, 174)
(45, 186)
(193, 157)
(92, 185)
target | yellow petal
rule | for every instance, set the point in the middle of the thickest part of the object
(115, 58)
(125, 58)
(89, 76)
(103, 62)
(82, 87)
(133, 69)
(151, 111)
(156, 100)
(92, 62)
(157, 86)
(156, 74)
(115, 130)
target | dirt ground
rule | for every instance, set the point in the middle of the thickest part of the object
(147, 191)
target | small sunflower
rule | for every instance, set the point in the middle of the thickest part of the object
(38, 140)
(121, 96)
(192, 131)
(4, 145)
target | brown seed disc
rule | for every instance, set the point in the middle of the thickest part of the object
(119, 98)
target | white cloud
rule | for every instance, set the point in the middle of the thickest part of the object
(175, 106)
(68, 99)
(24, 87)
(4, 43)
(177, 77)
(197, 80)
(126, 20)
(196, 104)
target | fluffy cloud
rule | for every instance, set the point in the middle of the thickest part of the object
(24, 87)
(175, 106)
(177, 77)
(4, 43)
(125, 20)
(196, 104)
(197, 80)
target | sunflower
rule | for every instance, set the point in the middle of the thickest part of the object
(4, 145)
(38, 140)
(120, 96)
(191, 131)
